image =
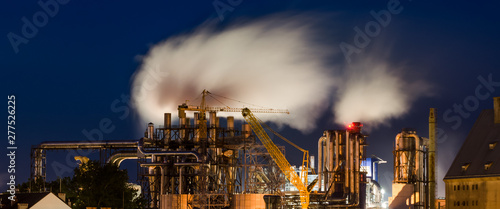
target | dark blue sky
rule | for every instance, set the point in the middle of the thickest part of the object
(66, 75)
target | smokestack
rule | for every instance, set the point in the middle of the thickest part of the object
(432, 158)
(311, 164)
(496, 108)
(245, 128)
(151, 128)
(230, 125)
(167, 123)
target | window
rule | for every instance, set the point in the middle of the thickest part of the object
(458, 187)
(476, 202)
(492, 145)
(465, 166)
(467, 187)
(487, 165)
(463, 203)
(454, 187)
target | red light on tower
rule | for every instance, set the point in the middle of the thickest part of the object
(355, 127)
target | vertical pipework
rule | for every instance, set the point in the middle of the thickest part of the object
(167, 124)
(320, 162)
(337, 148)
(351, 162)
(246, 130)
(182, 131)
(196, 122)
(213, 122)
(356, 165)
(151, 128)
(432, 154)
(230, 125)
(496, 109)
(311, 160)
(330, 142)
(346, 166)
(337, 153)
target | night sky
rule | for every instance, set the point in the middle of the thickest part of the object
(69, 73)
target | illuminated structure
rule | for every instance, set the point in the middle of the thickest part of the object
(473, 179)
(410, 184)
(206, 162)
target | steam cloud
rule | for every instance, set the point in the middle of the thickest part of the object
(272, 62)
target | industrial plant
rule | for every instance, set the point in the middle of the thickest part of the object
(207, 162)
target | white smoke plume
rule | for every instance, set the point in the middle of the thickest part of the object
(271, 62)
(374, 93)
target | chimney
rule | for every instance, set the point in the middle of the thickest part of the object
(62, 196)
(22, 205)
(496, 109)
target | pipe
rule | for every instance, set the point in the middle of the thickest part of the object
(182, 131)
(432, 150)
(87, 144)
(346, 167)
(330, 158)
(166, 153)
(356, 167)
(320, 162)
(151, 129)
(351, 164)
(119, 157)
(230, 125)
(167, 123)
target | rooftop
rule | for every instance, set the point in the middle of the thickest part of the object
(479, 155)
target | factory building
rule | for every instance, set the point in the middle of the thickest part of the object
(207, 162)
(473, 179)
(374, 192)
(414, 169)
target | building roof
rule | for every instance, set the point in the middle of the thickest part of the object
(480, 153)
(43, 200)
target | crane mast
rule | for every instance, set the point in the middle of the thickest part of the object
(279, 158)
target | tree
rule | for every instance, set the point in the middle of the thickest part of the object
(94, 185)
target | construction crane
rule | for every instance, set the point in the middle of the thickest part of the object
(298, 181)
(203, 109)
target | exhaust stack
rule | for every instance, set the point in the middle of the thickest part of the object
(432, 158)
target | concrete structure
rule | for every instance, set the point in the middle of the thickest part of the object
(410, 185)
(473, 179)
(34, 201)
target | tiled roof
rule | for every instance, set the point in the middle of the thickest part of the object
(479, 155)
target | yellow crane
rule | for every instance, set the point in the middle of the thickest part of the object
(298, 181)
(203, 109)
